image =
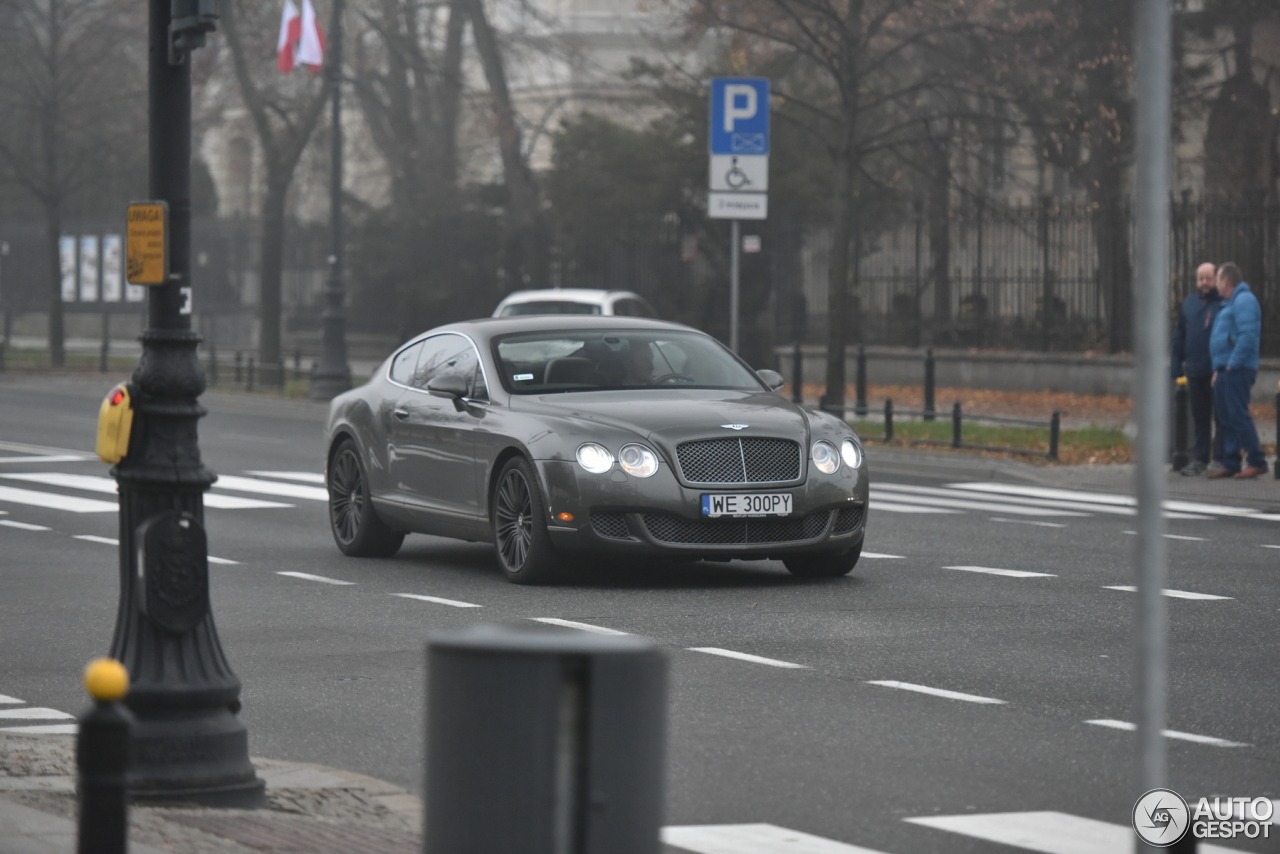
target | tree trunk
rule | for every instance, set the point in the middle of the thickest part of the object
(53, 221)
(270, 272)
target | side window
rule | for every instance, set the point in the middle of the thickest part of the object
(403, 364)
(479, 391)
(445, 354)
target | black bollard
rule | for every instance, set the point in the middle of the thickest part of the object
(1275, 468)
(1055, 430)
(239, 358)
(1180, 414)
(888, 419)
(543, 742)
(860, 380)
(928, 385)
(103, 755)
(797, 374)
(956, 417)
(249, 381)
(297, 364)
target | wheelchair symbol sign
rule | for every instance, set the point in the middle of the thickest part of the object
(739, 115)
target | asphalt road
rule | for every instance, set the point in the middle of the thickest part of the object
(1032, 656)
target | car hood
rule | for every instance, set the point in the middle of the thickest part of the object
(671, 416)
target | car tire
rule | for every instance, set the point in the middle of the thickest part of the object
(518, 516)
(829, 565)
(355, 524)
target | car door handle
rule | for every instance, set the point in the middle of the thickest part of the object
(402, 414)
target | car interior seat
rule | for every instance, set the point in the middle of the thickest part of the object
(570, 370)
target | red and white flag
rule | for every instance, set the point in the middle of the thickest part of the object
(301, 39)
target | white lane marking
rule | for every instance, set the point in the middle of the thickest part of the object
(1174, 537)
(91, 483)
(36, 713)
(7, 699)
(1172, 594)
(1029, 522)
(44, 729)
(306, 576)
(107, 541)
(90, 538)
(890, 507)
(1266, 546)
(266, 487)
(744, 656)
(936, 692)
(68, 503)
(753, 839)
(879, 556)
(1118, 507)
(42, 450)
(570, 624)
(303, 476)
(52, 458)
(1170, 733)
(22, 526)
(1046, 832)
(436, 599)
(1192, 507)
(966, 504)
(1011, 573)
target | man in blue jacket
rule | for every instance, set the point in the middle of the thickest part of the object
(1234, 346)
(1191, 360)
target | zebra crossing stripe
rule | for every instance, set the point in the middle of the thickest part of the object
(69, 503)
(967, 504)
(6, 699)
(92, 483)
(753, 839)
(44, 729)
(892, 507)
(301, 476)
(21, 526)
(1046, 832)
(266, 487)
(36, 713)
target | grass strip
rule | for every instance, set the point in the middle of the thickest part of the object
(1085, 445)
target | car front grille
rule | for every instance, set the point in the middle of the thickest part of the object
(752, 531)
(847, 519)
(739, 460)
(610, 525)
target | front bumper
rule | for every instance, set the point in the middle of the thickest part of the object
(659, 516)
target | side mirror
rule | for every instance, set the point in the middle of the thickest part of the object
(449, 385)
(772, 379)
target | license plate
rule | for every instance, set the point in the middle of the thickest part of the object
(746, 504)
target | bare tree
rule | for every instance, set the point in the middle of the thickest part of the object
(71, 92)
(285, 112)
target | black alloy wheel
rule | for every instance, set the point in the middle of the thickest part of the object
(355, 524)
(520, 534)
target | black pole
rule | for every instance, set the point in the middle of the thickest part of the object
(888, 419)
(1180, 408)
(239, 366)
(928, 385)
(1275, 469)
(956, 419)
(860, 379)
(332, 375)
(188, 744)
(797, 374)
(1055, 430)
(106, 339)
(103, 747)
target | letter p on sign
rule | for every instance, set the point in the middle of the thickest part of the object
(739, 103)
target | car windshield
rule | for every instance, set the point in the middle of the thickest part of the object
(549, 307)
(576, 360)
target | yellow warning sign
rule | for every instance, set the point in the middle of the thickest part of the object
(147, 244)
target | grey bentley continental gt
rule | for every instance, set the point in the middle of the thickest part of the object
(554, 436)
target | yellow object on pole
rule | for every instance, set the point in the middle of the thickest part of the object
(115, 421)
(106, 680)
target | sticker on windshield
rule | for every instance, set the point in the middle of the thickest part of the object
(522, 377)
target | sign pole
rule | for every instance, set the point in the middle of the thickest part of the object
(735, 240)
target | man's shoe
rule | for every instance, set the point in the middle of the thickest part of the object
(1252, 471)
(1222, 472)
(1194, 469)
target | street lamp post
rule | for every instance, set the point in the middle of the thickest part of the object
(188, 743)
(332, 374)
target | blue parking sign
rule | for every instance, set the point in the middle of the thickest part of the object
(739, 115)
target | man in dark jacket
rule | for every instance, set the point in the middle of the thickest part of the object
(1234, 346)
(1191, 360)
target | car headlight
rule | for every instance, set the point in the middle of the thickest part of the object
(595, 458)
(638, 460)
(851, 453)
(825, 456)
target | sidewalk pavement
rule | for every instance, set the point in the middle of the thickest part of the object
(310, 810)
